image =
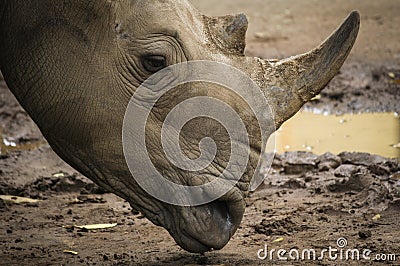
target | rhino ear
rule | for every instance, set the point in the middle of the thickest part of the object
(228, 32)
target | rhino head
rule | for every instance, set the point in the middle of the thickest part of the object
(75, 65)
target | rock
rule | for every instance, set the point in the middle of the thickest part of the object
(347, 170)
(375, 163)
(352, 180)
(277, 162)
(69, 184)
(297, 163)
(364, 234)
(394, 206)
(3, 205)
(60, 183)
(328, 161)
(395, 176)
(294, 184)
(276, 226)
(4, 156)
(364, 159)
(393, 165)
(90, 199)
(379, 169)
(377, 193)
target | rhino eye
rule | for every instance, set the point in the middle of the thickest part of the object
(154, 63)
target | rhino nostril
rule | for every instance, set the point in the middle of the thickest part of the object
(222, 208)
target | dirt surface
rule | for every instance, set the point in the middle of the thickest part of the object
(306, 202)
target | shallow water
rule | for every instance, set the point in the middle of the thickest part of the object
(377, 133)
(7, 145)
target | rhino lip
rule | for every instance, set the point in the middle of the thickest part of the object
(223, 219)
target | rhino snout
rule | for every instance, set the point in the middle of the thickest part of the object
(210, 226)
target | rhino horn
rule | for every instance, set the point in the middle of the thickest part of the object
(291, 82)
(229, 32)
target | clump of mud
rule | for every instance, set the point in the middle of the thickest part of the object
(58, 183)
(310, 194)
(372, 181)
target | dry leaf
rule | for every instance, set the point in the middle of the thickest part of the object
(70, 252)
(68, 226)
(17, 200)
(59, 175)
(278, 240)
(376, 217)
(96, 226)
(316, 98)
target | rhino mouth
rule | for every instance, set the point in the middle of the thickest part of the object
(210, 226)
(220, 229)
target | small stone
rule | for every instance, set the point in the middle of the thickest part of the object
(364, 234)
(83, 230)
(380, 170)
(3, 204)
(308, 179)
(364, 159)
(347, 170)
(135, 212)
(395, 176)
(328, 161)
(294, 184)
(296, 163)
(376, 74)
(4, 156)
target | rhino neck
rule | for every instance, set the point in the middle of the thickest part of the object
(57, 59)
(51, 53)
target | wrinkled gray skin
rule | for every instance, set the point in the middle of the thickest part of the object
(74, 65)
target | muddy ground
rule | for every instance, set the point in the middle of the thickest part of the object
(307, 201)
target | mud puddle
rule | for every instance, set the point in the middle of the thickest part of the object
(375, 133)
(8, 145)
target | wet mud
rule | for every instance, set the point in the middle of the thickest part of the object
(310, 199)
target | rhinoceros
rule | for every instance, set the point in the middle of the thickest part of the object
(75, 65)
